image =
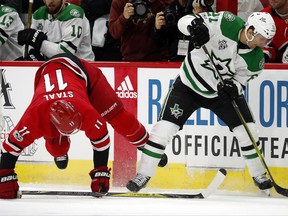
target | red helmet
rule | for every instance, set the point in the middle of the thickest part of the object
(65, 117)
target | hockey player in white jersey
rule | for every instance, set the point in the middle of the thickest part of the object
(58, 27)
(236, 49)
(10, 24)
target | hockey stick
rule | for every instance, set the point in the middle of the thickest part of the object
(28, 26)
(217, 180)
(279, 189)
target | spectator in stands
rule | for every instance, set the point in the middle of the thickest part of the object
(277, 50)
(166, 30)
(84, 102)
(10, 24)
(247, 7)
(133, 23)
(58, 27)
(104, 46)
(236, 50)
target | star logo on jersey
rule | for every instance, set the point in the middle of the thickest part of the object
(176, 111)
(222, 65)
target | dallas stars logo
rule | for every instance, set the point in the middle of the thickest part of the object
(222, 65)
(176, 111)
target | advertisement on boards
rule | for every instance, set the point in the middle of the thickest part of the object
(204, 141)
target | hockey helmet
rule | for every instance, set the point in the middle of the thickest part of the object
(263, 24)
(65, 117)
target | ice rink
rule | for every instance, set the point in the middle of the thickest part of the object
(219, 203)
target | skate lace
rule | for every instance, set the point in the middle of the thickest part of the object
(141, 180)
(261, 178)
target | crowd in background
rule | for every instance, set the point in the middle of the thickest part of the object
(122, 30)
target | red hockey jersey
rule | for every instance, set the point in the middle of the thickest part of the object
(81, 84)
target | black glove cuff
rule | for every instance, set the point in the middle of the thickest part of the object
(39, 38)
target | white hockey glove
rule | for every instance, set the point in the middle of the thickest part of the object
(285, 56)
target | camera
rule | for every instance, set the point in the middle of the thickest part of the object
(140, 9)
(171, 17)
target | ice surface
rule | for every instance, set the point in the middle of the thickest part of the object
(220, 203)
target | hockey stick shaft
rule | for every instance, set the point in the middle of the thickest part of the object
(280, 190)
(217, 180)
(29, 20)
(112, 194)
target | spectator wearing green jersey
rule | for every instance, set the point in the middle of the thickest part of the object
(58, 27)
(10, 24)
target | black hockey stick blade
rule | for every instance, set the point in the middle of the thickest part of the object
(280, 190)
(218, 179)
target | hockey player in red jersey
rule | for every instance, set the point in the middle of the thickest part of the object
(69, 95)
(277, 50)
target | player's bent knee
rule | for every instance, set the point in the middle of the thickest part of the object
(163, 132)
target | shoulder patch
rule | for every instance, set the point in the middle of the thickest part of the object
(230, 17)
(75, 13)
(261, 63)
(6, 9)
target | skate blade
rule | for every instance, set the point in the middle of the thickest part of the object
(166, 166)
(19, 195)
(266, 192)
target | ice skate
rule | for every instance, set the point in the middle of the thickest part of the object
(263, 183)
(139, 182)
(61, 162)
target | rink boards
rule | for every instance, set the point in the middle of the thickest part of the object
(204, 145)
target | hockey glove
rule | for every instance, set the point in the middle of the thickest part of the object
(228, 91)
(31, 37)
(100, 179)
(8, 184)
(285, 56)
(199, 33)
(34, 55)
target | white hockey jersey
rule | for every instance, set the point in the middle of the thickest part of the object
(231, 61)
(10, 24)
(70, 30)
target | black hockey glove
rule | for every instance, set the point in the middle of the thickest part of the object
(31, 37)
(34, 55)
(228, 91)
(199, 33)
